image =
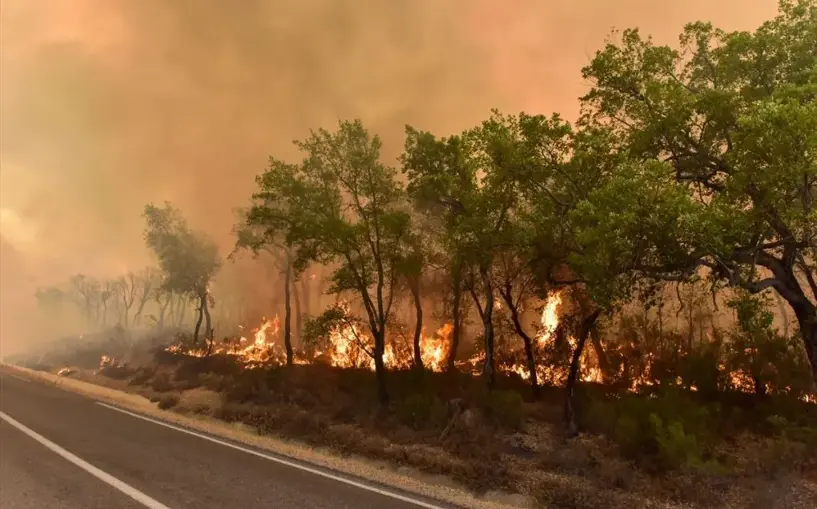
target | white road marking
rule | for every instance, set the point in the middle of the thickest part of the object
(282, 461)
(94, 471)
(18, 377)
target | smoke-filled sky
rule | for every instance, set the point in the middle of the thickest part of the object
(110, 104)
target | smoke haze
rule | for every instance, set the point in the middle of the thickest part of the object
(110, 104)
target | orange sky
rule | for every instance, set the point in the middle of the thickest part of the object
(109, 104)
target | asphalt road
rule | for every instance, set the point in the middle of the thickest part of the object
(61, 450)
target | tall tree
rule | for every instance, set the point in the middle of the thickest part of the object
(441, 178)
(254, 238)
(149, 278)
(85, 291)
(107, 290)
(126, 288)
(188, 259)
(341, 206)
(472, 182)
(730, 118)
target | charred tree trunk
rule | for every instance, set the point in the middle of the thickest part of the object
(288, 310)
(601, 355)
(488, 369)
(180, 309)
(137, 318)
(573, 375)
(196, 331)
(380, 366)
(520, 331)
(209, 336)
(162, 310)
(414, 286)
(807, 320)
(299, 317)
(456, 313)
(760, 387)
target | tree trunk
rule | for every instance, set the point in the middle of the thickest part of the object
(380, 366)
(573, 374)
(520, 331)
(288, 311)
(198, 321)
(488, 369)
(807, 320)
(181, 308)
(788, 287)
(162, 310)
(456, 312)
(601, 355)
(760, 387)
(137, 318)
(414, 286)
(171, 309)
(208, 326)
(299, 317)
(306, 296)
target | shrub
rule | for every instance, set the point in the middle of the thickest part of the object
(142, 377)
(416, 409)
(669, 431)
(168, 401)
(162, 383)
(505, 409)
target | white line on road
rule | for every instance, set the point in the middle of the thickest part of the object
(282, 461)
(81, 463)
(17, 377)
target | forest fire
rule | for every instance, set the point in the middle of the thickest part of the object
(347, 346)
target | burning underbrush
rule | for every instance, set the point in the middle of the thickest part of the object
(340, 340)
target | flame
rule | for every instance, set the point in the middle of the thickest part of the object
(349, 347)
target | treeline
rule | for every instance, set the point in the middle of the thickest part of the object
(134, 300)
(688, 164)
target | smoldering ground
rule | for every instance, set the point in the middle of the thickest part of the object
(108, 105)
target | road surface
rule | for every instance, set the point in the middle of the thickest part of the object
(61, 450)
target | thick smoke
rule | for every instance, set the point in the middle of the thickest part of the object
(110, 104)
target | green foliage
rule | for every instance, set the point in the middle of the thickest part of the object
(668, 431)
(768, 360)
(723, 157)
(188, 259)
(505, 408)
(344, 208)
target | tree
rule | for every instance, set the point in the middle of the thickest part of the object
(188, 260)
(252, 238)
(462, 182)
(126, 288)
(107, 290)
(340, 206)
(163, 299)
(148, 279)
(410, 265)
(441, 177)
(50, 299)
(728, 121)
(85, 292)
